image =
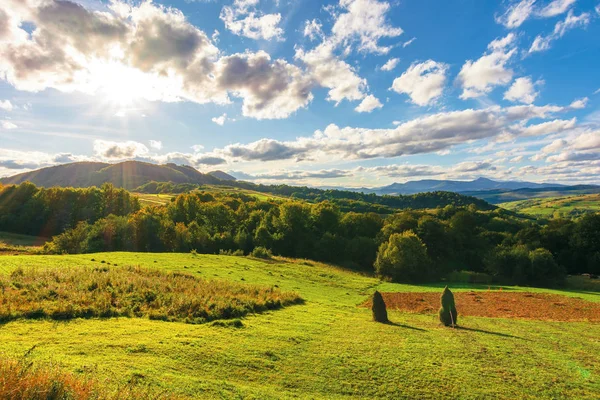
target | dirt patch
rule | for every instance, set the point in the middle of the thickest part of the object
(548, 307)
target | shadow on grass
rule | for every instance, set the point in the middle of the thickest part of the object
(404, 326)
(506, 335)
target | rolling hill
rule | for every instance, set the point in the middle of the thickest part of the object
(503, 196)
(128, 174)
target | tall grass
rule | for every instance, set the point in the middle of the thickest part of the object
(22, 380)
(62, 294)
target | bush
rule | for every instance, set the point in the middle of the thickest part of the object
(261, 252)
(403, 258)
(378, 308)
(447, 313)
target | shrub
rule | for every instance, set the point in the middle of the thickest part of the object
(378, 308)
(447, 313)
(262, 252)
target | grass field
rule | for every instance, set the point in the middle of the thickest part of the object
(158, 199)
(556, 206)
(325, 348)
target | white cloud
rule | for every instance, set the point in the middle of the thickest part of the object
(147, 51)
(109, 150)
(390, 64)
(156, 144)
(556, 7)
(7, 125)
(425, 135)
(331, 72)
(572, 21)
(220, 120)
(368, 104)
(481, 76)
(409, 42)
(579, 103)
(522, 90)
(423, 82)
(252, 25)
(313, 29)
(6, 105)
(364, 21)
(516, 13)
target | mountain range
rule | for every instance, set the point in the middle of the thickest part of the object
(433, 185)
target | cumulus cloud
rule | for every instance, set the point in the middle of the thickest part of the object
(572, 21)
(428, 134)
(481, 76)
(270, 89)
(313, 29)
(364, 22)
(220, 120)
(253, 25)
(522, 90)
(329, 71)
(423, 82)
(390, 64)
(369, 104)
(286, 175)
(156, 144)
(6, 105)
(109, 150)
(145, 50)
(580, 103)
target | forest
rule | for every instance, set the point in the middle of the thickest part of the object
(410, 245)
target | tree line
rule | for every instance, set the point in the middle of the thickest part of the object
(409, 245)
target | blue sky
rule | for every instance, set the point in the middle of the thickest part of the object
(347, 92)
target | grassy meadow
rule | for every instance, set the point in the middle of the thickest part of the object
(325, 348)
(556, 206)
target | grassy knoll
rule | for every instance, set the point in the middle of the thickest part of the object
(161, 199)
(325, 348)
(556, 206)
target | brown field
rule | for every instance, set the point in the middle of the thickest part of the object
(538, 306)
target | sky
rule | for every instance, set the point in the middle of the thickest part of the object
(354, 93)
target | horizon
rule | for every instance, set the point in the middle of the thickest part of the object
(349, 93)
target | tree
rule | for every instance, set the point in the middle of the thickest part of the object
(403, 258)
(378, 308)
(448, 314)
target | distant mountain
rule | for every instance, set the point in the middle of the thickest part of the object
(222, 175)
(433, 185)
(128, 174)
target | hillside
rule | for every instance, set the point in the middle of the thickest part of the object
(128, 174)
(570, 206)
(327, 348)
(503, 196)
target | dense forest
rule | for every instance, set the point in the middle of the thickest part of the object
(409, 245)
(344, 199)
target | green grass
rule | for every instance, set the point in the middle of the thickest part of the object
(556, 206)
(161, 199)
(325, 348)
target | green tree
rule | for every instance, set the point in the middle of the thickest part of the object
(403, 258)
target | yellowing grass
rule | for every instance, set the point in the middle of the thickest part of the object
(62, 294)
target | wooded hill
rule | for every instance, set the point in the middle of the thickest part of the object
(128, 175)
